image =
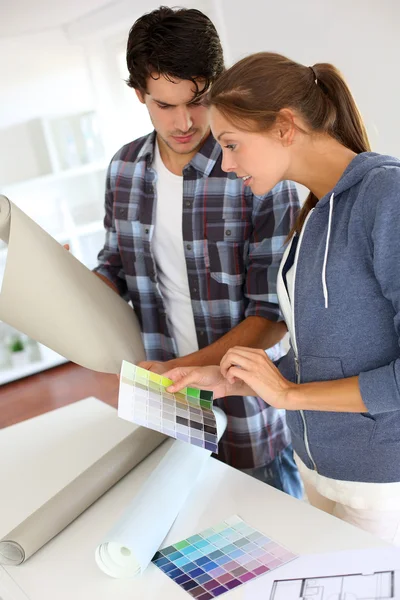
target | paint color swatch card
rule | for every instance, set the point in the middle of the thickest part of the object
(221, 558)
(186, 415)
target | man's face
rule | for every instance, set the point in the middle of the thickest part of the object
(183, 124)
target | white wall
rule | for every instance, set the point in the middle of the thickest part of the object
(360, 37)
(42, 74)
(118, 17)
(73, 69)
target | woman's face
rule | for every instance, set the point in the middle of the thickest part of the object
(260, 159)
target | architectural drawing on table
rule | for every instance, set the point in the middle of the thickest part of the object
(377, 586)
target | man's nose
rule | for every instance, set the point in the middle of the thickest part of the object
(183, 119)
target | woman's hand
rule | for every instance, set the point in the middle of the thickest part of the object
(254, 368)
(205, 378)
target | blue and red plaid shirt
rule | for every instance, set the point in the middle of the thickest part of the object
(233, 244)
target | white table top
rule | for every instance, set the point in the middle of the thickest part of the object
(65, 568)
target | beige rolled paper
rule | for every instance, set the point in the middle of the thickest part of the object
(53, 298)
(70, 502)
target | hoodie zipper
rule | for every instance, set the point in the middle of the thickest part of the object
(296, 359)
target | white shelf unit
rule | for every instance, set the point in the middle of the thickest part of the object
(50, 359)
(64, 193)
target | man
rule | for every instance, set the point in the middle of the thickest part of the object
(189, 245)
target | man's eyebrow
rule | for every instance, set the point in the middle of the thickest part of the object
(194, 101)
(163, 103)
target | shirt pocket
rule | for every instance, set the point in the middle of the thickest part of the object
(132, 239)
(127, 212)
(227, 249)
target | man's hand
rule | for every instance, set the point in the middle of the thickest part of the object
(161, 367)
(155, 366)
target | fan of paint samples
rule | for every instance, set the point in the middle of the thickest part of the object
(186, 415)
(221, 558)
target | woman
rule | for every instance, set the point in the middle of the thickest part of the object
(338, 284)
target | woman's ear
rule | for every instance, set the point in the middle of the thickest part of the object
(285, 126)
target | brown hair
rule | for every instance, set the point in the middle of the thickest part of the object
(252, 92)
(176, 43)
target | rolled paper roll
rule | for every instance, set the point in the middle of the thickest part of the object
(128, 548)
(5, 218)
(70, 502)
(53, 298)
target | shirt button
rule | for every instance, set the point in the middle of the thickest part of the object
(201, 332)
(228, 232)
(146, 230)
(188, 203)
(189, 247)
(194, 290)
(123, 212)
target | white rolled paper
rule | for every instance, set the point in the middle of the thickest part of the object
(128, 548)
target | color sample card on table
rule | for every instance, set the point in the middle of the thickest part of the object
(221, 558)
(186, 415)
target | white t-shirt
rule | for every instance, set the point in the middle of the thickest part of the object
(167, 246)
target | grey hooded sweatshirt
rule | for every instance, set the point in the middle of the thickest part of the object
(345, 321)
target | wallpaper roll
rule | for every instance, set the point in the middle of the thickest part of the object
(70, 502)
(53, 298)
(128, 548)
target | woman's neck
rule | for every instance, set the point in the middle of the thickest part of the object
(320, 163)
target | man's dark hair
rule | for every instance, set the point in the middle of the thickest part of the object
(174, 43)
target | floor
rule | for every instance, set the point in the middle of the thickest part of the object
(32, 396)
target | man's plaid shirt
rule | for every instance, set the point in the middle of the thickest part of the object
(233, 244)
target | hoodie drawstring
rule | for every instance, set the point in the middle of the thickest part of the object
(328, 236)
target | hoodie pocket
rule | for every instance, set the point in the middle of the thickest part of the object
(330, 429)
(320, 368)
(388, 428)
(287, 367)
